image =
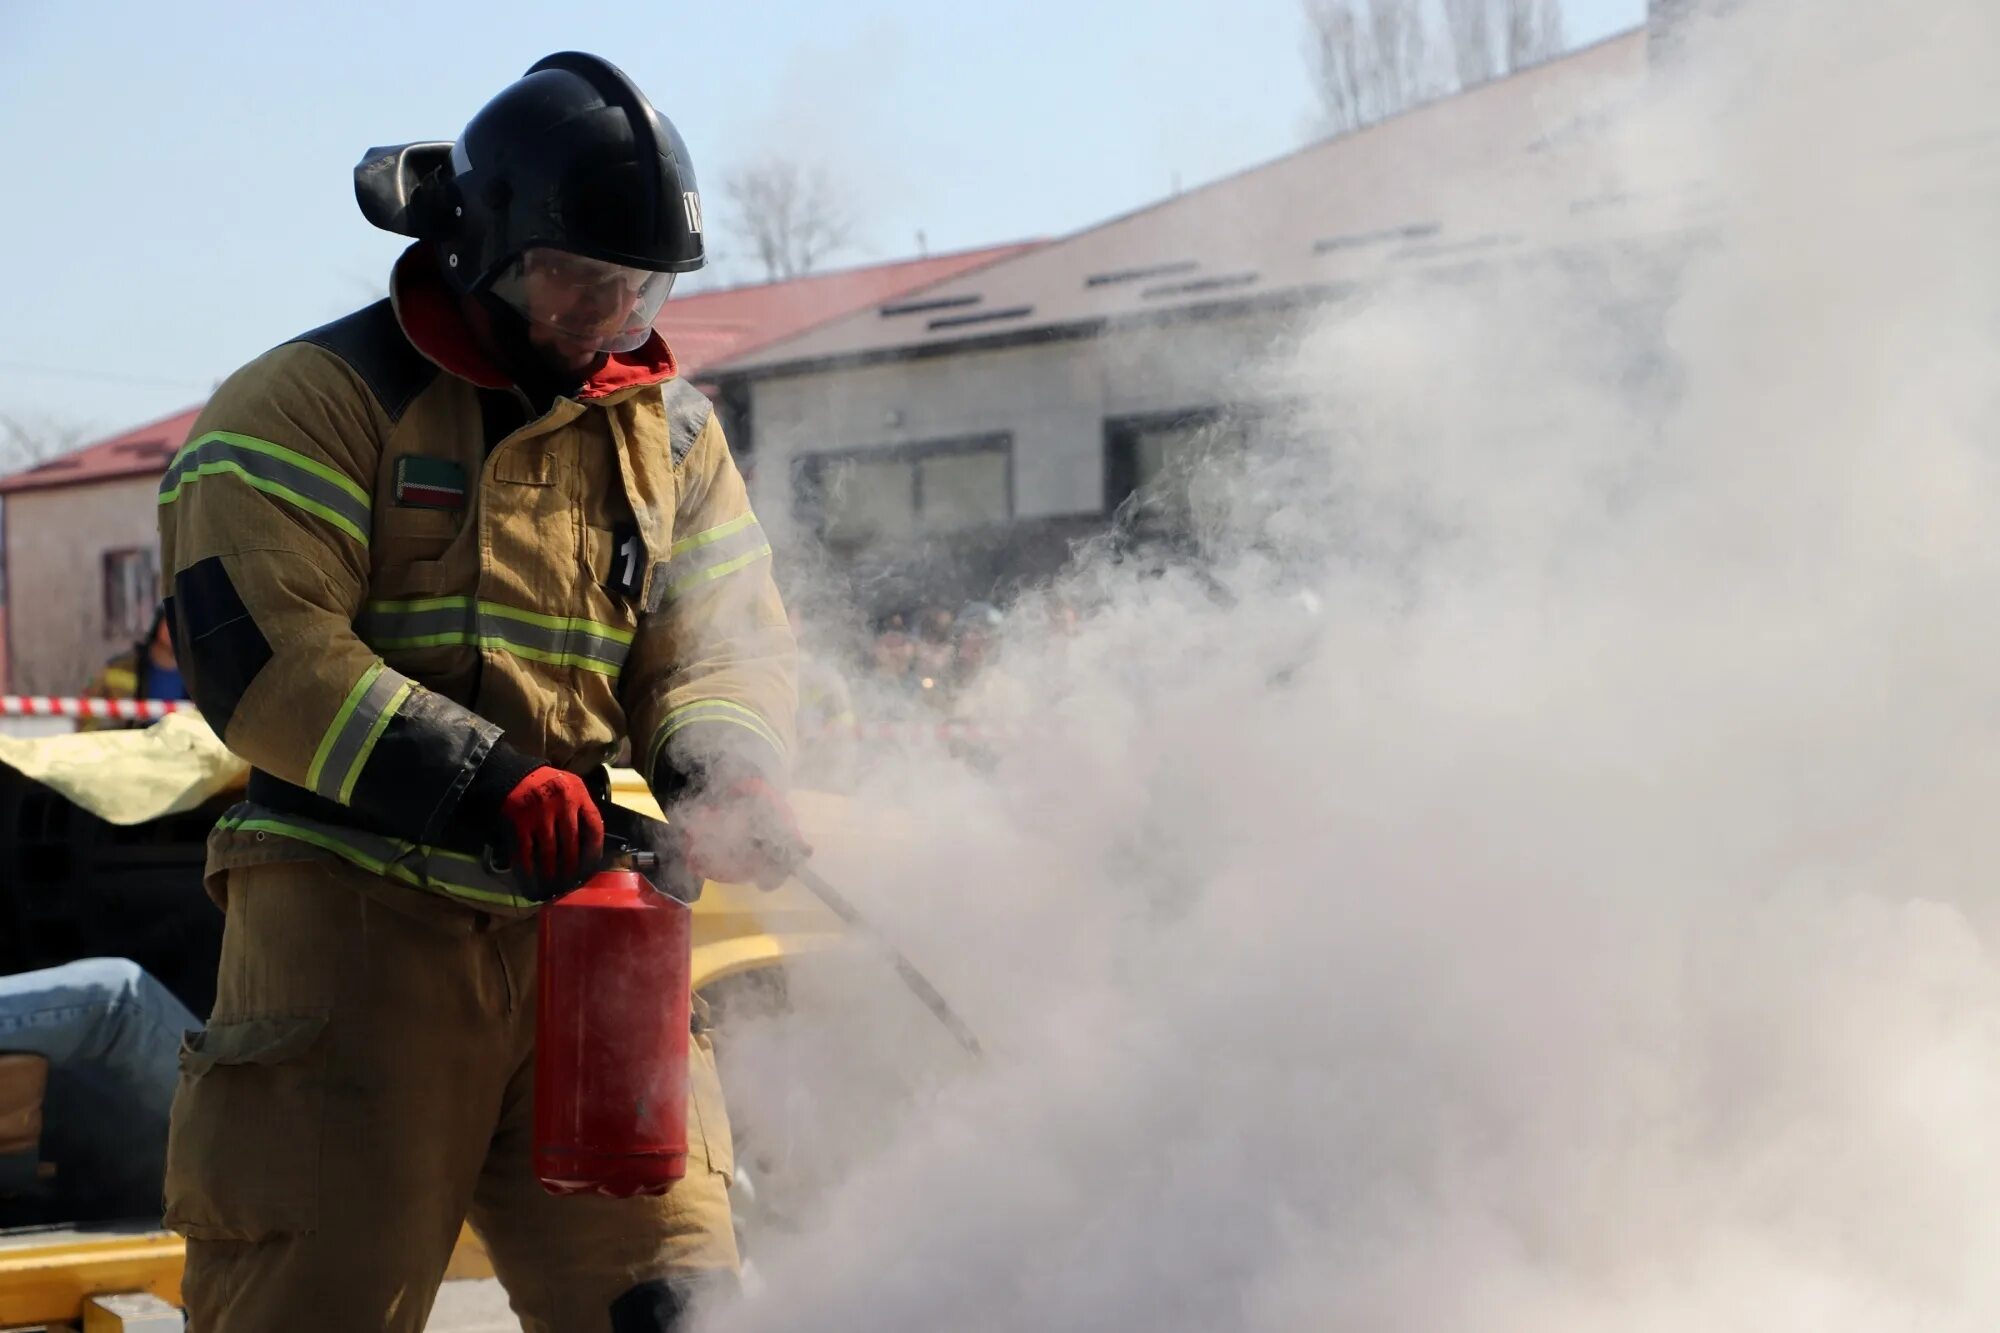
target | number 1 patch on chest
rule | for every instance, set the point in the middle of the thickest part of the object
(628, 560)
(429, 483)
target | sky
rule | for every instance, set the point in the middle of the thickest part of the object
(183, 193)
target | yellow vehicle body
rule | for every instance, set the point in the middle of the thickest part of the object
(49, 1276)
(177, 765)
(739, 927)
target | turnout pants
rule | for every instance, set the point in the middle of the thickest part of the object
(364, 1086)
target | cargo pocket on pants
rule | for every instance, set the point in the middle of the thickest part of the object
(244, 1146)
(711, 1115)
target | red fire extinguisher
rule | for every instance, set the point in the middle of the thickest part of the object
(611, 1046)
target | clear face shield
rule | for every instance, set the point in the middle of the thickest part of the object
(580, 307)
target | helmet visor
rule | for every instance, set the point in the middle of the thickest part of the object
(583, 303)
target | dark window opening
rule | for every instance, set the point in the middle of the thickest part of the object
(1162, 470)
(1356, 240)
(131, 591)
(934, 303)
(1224, 282)
(905, 493)
(1478, 245)
(983, 317)
(1148, 271)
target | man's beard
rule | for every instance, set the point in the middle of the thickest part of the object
(537, 371)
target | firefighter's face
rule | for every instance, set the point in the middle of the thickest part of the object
(577, 308)
(574, 303)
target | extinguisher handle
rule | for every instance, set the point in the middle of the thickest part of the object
(652, 847)
(657, 849)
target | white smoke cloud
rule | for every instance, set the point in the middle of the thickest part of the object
(1586, 919)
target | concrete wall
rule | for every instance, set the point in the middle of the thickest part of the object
(1053, 398)
(55, 544)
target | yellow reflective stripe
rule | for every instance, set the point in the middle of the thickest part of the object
(287, 474)
(339, 724)
(542, 655)
(278, 451)
(718, 571)
(439, 621)
(368, 745)
(710, 710)
(601, 631)
(487, 608)
(713, 535)
(420, 604)
(478, 895)
(660, 740)
(327, 842)
(457, 637)
(744, 716)
(223, 467)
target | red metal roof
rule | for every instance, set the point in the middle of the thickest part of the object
(708, 327)
(1498, 165)
(703, 328)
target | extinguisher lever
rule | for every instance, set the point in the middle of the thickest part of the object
(652, 847)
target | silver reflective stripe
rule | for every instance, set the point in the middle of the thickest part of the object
(286, 474)
(557, 640)
(714, 554)
(451, 873)
(350, 739)
(563, 641)
(415, 624)
(722, 712)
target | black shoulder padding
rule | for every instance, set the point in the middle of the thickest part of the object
(688, 410)
(218, 644)
(374, 346)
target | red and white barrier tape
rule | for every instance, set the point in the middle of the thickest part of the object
(43, 705)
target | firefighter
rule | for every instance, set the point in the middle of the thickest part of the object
(429, 566)
(146, 670)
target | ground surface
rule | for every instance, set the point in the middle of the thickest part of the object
(473, 1306)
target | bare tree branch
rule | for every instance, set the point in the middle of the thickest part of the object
(26, 441)
(1469, 24)
(1534, 31)
(1372, 58)
(791, 218)
(1333, 46)
(1402, 41)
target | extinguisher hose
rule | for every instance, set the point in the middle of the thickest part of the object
(920, 985)
(629, 830)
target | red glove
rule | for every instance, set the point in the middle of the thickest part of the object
(558, 833)
(742, 834)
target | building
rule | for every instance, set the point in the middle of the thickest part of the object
(81, 552)
(958, 439)
(80, 541)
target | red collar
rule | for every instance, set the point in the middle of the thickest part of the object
(429, 314)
